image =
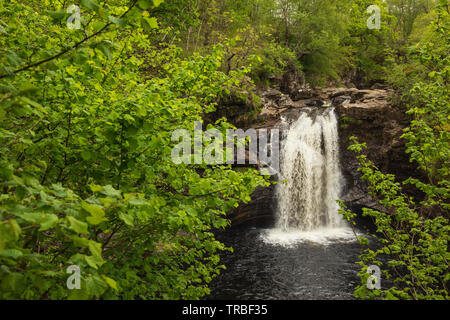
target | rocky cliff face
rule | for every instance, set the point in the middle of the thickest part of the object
(366, 114)
(374, 120)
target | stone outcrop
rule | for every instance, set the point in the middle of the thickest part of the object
(374, 120)
(259, 212)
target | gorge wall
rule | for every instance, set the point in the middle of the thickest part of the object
(366, 114)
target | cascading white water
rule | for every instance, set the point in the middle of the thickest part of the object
(311, 173)
(310, 181)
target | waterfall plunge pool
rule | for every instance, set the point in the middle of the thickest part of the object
(300, 269)
(311, 252)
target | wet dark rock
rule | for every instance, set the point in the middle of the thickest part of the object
(341, 100)
(259, 211)
(315, 103)
(301, 93)
(272, 94)
(286, 102)
(374, 120)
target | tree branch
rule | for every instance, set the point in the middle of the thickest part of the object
(63, 52)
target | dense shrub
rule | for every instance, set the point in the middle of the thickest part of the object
(414, 255)
(85, 143)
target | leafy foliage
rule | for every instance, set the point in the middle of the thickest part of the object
(86, 173)
(414, 253)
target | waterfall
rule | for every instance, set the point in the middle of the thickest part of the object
(310, 180)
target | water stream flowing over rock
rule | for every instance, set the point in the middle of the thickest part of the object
(310, 182)
(311, 179)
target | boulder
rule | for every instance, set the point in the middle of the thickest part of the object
(304, 92)
(337, 101)
(272, 94)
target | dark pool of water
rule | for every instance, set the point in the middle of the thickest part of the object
(257, 270)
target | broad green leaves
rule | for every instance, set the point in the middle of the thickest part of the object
(77, 225)
(90, 4)
(127, 218)
(86, 174)
(149, 23)
(48, 222)
(97, 215)
(120, 22)
(148, 4)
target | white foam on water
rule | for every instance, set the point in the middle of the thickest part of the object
(321, 236)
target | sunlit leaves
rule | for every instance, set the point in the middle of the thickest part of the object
(77, 225)
(97, 215)
(85, 161)
(120, 22)
(415, 244)
(90, 4)
(49, 221)
(149, 23)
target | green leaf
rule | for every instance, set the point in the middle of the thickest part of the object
(97, 213)
(28, 89)
(120, 22)
(149, 23)
(127, 218)
(80, 242)
(95, 188)
(104, 48)
(96, 286)
(57, 16)
(13, 58)
(48, 222)
(111, 282)
(96, 220)
(15, 229)
(81, 294)
(156, 3)
(90, 4)
(111, 192)
(59, 190)
(95, 248)
(145, 4)
(77, 225)
(94, 262)
(3, 30)
(32, 217)
(6, 170)
(86, 155)
(96, 259)
(11, 253)
(31, 102)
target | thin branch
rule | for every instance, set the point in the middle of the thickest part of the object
(63, 52)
